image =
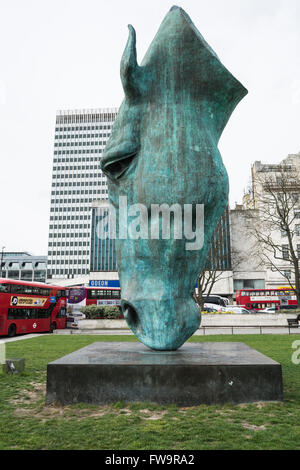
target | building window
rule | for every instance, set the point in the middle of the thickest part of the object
(285, 251)
(248, 284)
(283, 233)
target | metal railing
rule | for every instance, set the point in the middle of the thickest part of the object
(262, 329)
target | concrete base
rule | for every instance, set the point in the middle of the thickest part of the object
(211, 373)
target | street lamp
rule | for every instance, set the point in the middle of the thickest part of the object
(1, 260)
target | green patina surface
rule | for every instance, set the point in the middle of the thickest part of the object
(163, 150)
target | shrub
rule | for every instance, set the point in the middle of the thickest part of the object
(102, 311)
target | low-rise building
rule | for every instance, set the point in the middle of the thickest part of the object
(23, 266)
(267, 264)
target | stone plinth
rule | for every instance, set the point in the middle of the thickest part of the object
(211, 373)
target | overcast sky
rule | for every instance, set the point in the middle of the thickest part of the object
(65, 54)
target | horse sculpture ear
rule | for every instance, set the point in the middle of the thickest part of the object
(123, 144)
(129, 67)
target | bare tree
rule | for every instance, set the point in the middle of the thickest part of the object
(205, 283)
(276, 200)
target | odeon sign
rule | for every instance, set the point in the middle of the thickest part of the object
(104, 283)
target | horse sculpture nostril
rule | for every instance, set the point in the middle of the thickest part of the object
(131, 315)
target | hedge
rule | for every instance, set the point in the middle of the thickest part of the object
(102, 311)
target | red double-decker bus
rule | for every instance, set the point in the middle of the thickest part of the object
(29, 307)
(79, 297)
(83, 296)
(259, 299)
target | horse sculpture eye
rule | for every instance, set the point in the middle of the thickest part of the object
(163, 152)
(118, 167)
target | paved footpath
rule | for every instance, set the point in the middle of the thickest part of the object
(205, 332)
(4, 339)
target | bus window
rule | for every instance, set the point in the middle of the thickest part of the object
(20, 289)
(27, 313)
(16, 313)
(16, 289)
(4, 288)
(27, 290)
(45, 292)
(32, 313)
(40, 313)
(62, 313)
(96, 293)
(60, 293)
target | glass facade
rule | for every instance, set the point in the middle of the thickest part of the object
(248, 284)
(219, 257)
(103, 250)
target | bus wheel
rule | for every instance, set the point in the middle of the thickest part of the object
(52, 327)
(12, 330)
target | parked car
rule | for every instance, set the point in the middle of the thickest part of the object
(209, 310)
(252, 310)
(268, 310)
(217, 300)
(214, 307)
(286, 307)
(244, 310)
(235, 309)
(232, 308)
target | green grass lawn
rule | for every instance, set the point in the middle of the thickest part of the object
(26, 423)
